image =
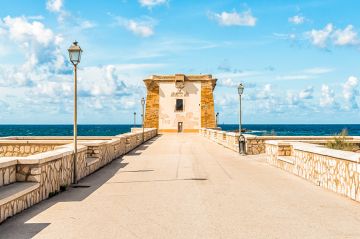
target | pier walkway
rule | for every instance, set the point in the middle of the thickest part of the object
(185, 186)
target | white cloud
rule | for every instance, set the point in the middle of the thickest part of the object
(318, 70)
(151, 3)
(21, 30)
(53, 89)
(295, 77)
(297, 19)
(40, 46)
(266, 92)
(86, 24)
(234, 18)
(142, 28)
(110, 88)
(283, 36)
(292, 99)
(350, 93)
(226, 100)
(307, 74)
(347, 36)
(228, 82)
(319, 38)
(54, 5)
(307, 93)
(330, 35)
(238, 75)
(327, 97)
(101, 81)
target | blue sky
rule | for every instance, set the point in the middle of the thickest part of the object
(299, 60)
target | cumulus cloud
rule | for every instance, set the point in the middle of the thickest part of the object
(226, 100)
(330, 35)
(142, 28)
(347, 36)
(41, 48)
(320, 37)
(234, 18)
(297, 19)
(152, 3)
(327, 97)
(350, 93)
(300, 99)
(102, 81)
(54, 5)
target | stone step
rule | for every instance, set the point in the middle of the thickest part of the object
(287, 159)
(13, 191)
(91, 161)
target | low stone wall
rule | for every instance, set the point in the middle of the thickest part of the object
(335, 170)
(256, 144)
(10, 148)
(39, 176)
(7, 172)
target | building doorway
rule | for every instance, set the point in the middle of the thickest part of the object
(180, 127)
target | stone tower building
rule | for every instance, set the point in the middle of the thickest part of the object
(180, 103)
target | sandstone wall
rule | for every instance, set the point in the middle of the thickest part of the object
(7, 173)
(256, 144)
(207, 104)
(12, 149)
(152, 105)
(336, 170)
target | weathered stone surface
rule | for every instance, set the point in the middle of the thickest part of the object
(339, 175)
(152, 105)
(35, 170)
(1, 177)
(207, 104)
(6, 176)
(23, 149)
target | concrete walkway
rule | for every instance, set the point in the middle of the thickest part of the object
(185, 186)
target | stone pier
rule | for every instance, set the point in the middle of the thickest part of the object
(187, 186)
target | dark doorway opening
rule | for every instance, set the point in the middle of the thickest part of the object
(180, 127)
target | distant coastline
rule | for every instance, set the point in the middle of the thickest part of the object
(114, 129)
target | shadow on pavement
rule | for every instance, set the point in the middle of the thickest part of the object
(17, 226)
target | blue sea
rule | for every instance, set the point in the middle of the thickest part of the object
(110, 130)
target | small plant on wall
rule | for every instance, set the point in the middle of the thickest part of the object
(340, 142)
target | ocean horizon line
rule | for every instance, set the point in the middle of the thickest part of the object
(32, 124)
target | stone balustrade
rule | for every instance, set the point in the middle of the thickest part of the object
(335, 170)
(27, 180)
(304, 156)
(256, 144)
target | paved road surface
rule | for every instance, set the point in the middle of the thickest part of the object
(184, 186)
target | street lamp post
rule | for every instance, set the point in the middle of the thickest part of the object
(134, 119)
(143, 116)
(75, 57)
(241, 136)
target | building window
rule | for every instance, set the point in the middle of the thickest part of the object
(179, 105)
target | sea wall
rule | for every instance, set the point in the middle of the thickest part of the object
(256, 144)
(336, 170)
(25, 181)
